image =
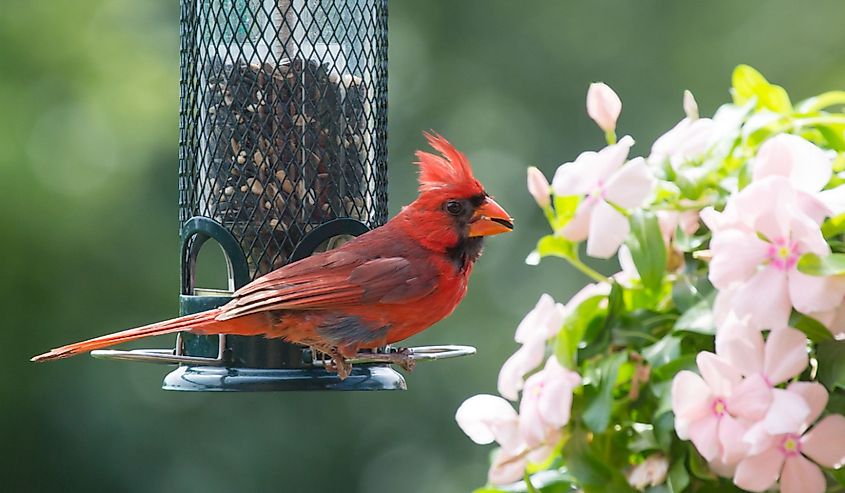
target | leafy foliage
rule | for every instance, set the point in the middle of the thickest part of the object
(630, 341)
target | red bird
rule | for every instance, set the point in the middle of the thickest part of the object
(380, 288)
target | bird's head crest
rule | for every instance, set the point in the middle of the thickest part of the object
(450, 171)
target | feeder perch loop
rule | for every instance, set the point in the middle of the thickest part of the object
(171, 356)
(282, 153)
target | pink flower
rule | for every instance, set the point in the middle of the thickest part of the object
(538, 187)
(603, 106)
(755, 248)
(833, 319)
(488, 418)
(787, 456)
(783, 356)
(546, 403)
(670, 221)
(540, 324)
(714, 410)
(651, 472)
(806, 165)
(694, 139)
(605, 184)
(690, 106)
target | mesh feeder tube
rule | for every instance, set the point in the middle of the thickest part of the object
(282, 153)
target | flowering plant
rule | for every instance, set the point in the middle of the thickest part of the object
(715, 359)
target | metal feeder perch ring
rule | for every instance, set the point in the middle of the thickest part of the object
(169, 356)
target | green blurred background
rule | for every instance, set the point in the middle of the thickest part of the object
(88, 225)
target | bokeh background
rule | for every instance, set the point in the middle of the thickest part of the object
(88, 224)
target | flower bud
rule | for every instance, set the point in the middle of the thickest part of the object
(690, 106)
(603, 106)
(538, 187)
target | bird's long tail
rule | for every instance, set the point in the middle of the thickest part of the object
(203, 322)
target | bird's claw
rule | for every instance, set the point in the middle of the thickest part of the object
(336, 363)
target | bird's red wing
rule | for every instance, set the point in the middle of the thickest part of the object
(334, 280)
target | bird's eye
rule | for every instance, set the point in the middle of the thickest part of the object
(454, 207)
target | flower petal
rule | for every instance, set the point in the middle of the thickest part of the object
(690, 398)
(825, 443)
(731, 431)
(485, 418)
(805, 164)
(813, 293)
(704, 434)
(603, 105)
(814, 394)
(740, 345)
(630, 186)
(736, 256)
(506, 468)
(578, 177)
(807, 233)
(787, 413)
(608, 229)
(538, 186)
(801, 476)
(578, 227)
(525, 359)
(542, 322)
(720, 375)
(759, 472)
(764, 299)
(751, 398)
(834, 199)
(758, 439)
(786, 355)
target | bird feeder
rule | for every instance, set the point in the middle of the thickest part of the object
(282, 153)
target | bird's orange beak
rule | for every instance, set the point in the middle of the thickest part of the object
(490, 219)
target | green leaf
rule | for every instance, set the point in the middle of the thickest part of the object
(647, 249)
(565, 207)
(749, 84)
(834, 135)
(829, 265)
(831, 358)
(834, 226)
(811, 327)
(664, 430)
(597, 413)
(838, 475)
(698, 466)
(574, 328)
(589, 468)
(670, 369)
(678, 478)
(663, 351)
(699, 318)
(552, 246)
(836, 401)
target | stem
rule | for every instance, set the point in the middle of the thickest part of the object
(610, 135)
(586, 270)
(550, 215)
(822, 101)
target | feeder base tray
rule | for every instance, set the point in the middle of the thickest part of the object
(222, 379)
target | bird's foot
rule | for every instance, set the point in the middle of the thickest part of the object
(402, 357)
(336, 363)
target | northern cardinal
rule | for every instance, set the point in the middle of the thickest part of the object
(379, 288)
